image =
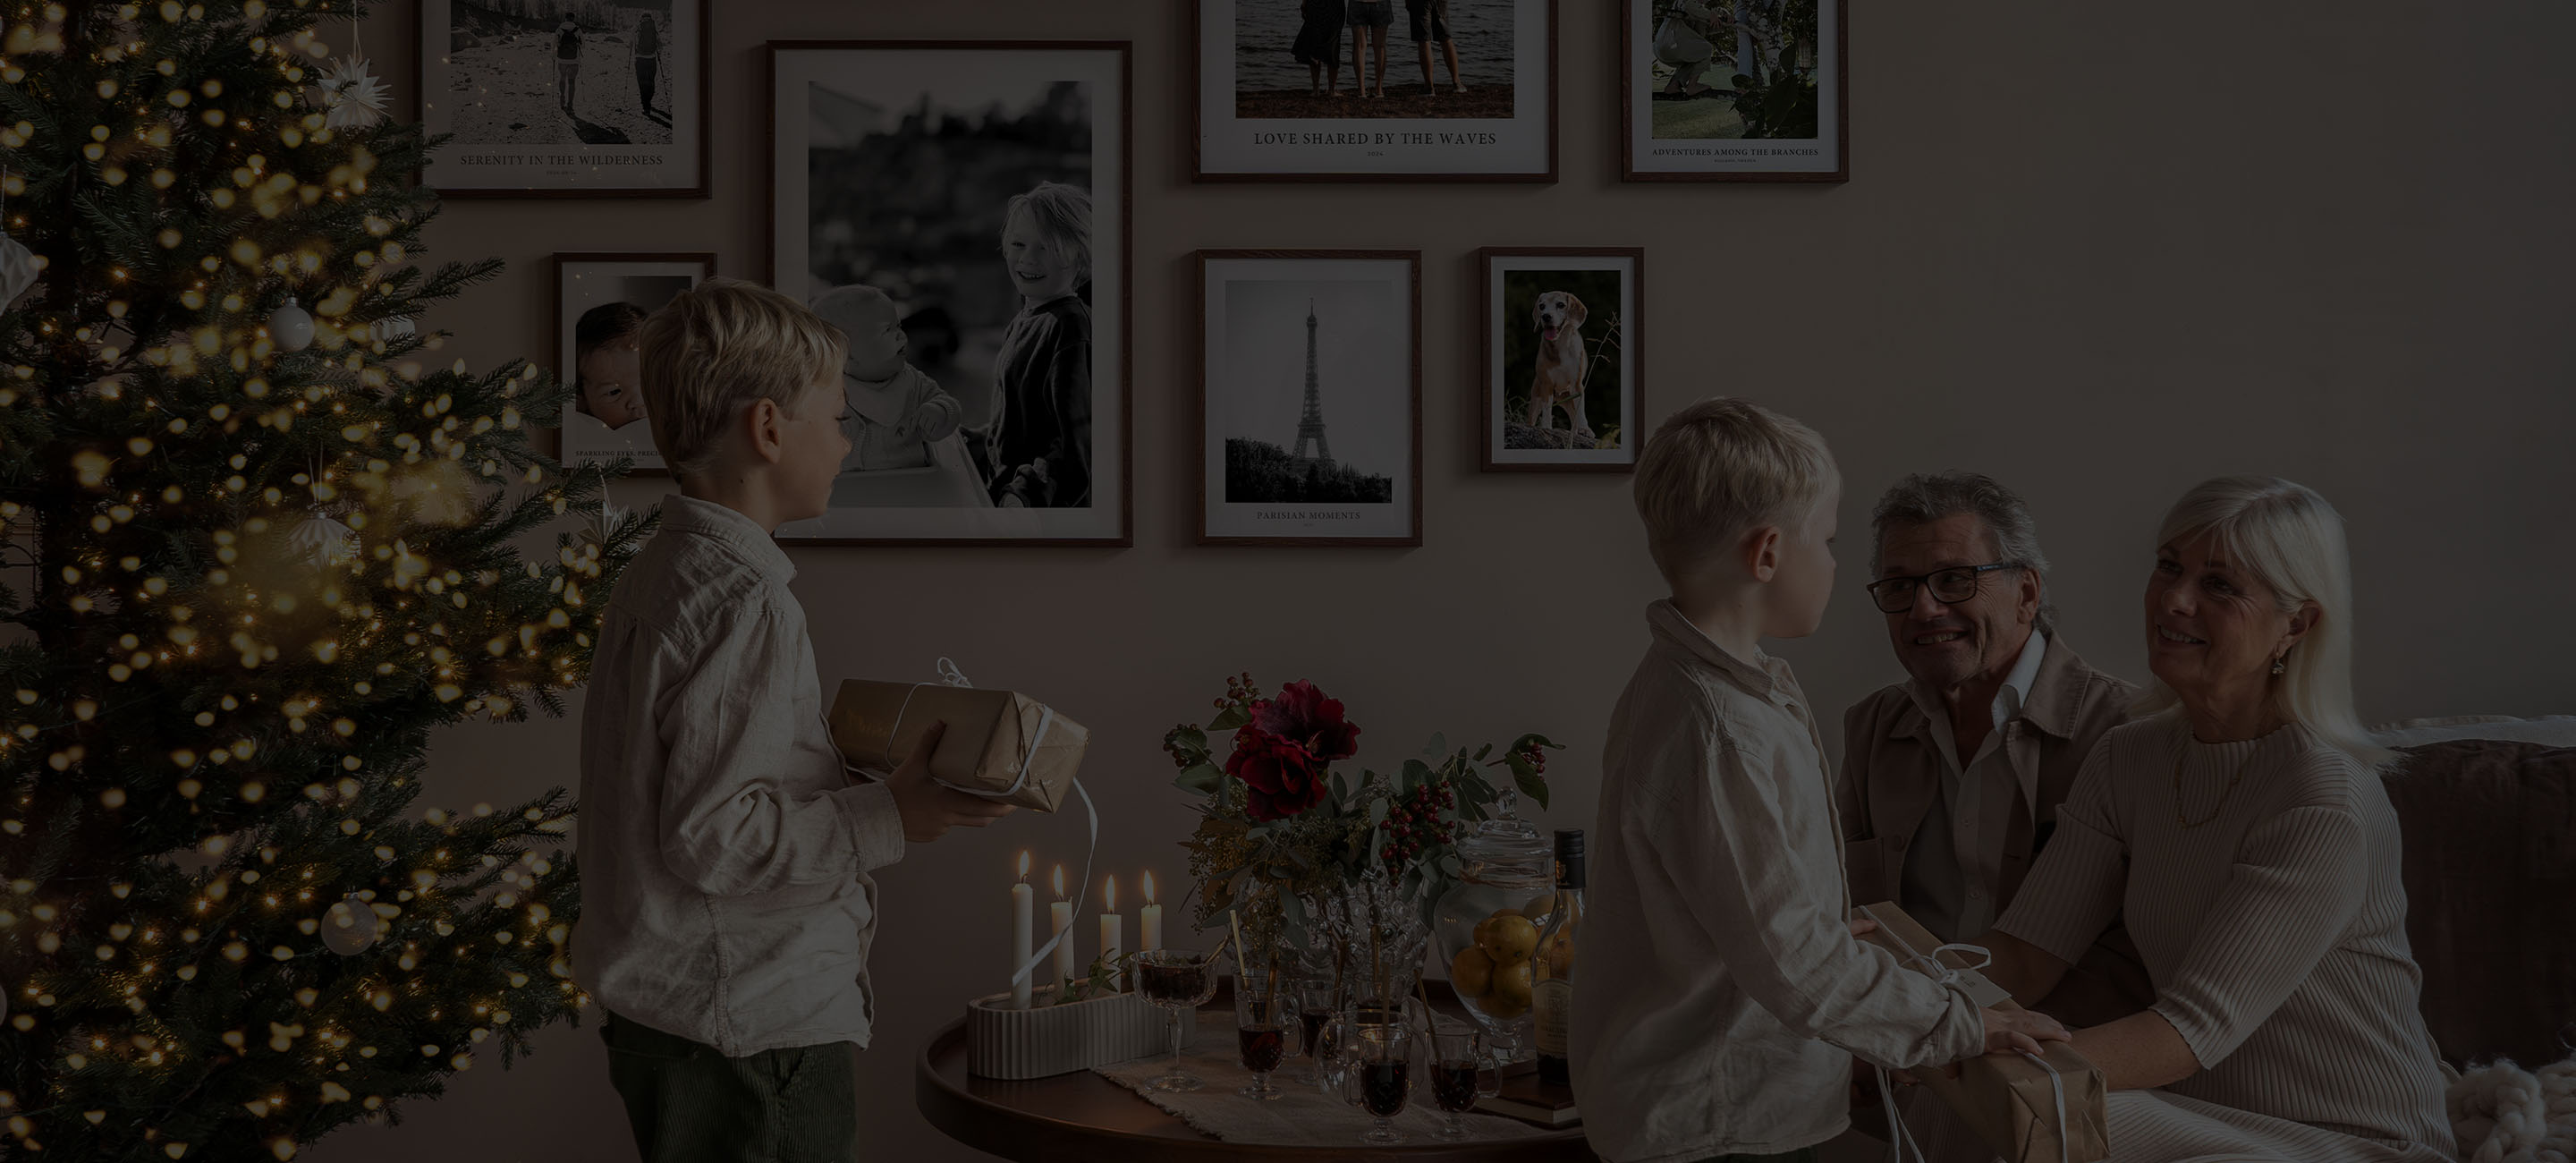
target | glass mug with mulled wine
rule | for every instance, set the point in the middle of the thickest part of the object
(1264, 1017)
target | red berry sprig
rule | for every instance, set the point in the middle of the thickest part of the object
(1415, 823)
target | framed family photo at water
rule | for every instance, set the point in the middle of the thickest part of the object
(1310, 397)
(1734, 90)
(960, 211)
(600, 304)
(1562, 335)
(566, 98)
(1373, 90)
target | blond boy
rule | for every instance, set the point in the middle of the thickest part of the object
(726, 905)
(1727, 995)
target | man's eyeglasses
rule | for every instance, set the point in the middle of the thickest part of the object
(1895, 595)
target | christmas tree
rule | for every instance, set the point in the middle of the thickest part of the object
(267, 549)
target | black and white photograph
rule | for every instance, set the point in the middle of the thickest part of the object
(1388, 90)
(1733, 90)
(1561, 330)
(1311, 398)
(600, 304)
(566, 98)
(959, 211)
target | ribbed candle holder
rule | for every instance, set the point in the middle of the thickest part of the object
(1009, 1043)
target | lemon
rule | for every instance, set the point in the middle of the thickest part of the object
(1539, 906)
(1511, 990)
(1471, 973)
(1508, 938)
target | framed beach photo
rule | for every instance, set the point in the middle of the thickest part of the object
(1561, 339)
(1734, 91)
(961, 211)
(1372, 90)
(1310, 397)
(600, 304)
(566, 98)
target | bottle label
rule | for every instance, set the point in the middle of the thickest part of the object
(1552, 1007)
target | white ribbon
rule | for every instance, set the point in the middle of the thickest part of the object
(949, 675)
(1946, 976)
(2057, 1089)
(1900, 1138)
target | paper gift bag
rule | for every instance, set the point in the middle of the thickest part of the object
(999, 743)
(2010, 1101)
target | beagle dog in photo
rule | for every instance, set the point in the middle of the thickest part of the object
(1558, 382)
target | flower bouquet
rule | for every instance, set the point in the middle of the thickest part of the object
(1281, 835)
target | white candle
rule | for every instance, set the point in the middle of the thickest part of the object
(1023, 908)
(1113, 928)
(1149, 920)
(1061, 912)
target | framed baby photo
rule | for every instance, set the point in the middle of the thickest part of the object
(1734, 91)
(566, 98)
(1560, 334)
(1372, 90)
(600, 304)
(961, 210)
(1310, 397)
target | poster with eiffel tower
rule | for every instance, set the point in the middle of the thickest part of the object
(1311, 398)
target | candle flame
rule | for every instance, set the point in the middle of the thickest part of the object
(1059, 882)
(1149, 887)
(1113, 895)
(1024, 864)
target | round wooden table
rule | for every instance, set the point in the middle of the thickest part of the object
(1084, 1118)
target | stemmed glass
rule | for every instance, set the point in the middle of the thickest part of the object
(1463, 1069)
(1262, 1019)
(1177, 980)
(1382, 1065)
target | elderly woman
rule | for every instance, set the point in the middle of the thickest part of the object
(2240, 827)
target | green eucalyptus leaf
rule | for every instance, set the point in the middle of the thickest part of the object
(1230, 719)
(1439, 744)
(1530, 782)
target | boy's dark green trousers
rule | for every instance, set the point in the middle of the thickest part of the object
(690, 1104)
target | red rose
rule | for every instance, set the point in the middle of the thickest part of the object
(1280, 778)
(1304, 716)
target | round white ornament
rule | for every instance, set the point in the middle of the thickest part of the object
(291, 326)
(350, 926)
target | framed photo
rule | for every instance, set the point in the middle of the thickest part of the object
(1310, 397)
(600, 303)
(1373, 90)
(1561, 339)
(961, 210)
(1734, 91)
(566, 98)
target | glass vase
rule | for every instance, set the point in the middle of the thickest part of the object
(1487, 925)
(1379, 940)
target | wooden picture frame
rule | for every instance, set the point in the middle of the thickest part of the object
(512, 144)
(1721, 157)
(1604, 306)
(583, 282)
(845, 104)
(1224, 145)
(1238, 289)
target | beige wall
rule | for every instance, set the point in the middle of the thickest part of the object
(2099, 251)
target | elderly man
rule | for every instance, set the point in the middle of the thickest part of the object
(1951, 780)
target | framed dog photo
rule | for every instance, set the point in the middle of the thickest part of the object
(961, 211)
(600, 304)
(566, 98)
(1560, 338)
(1373, 90)
(1310, 397)
(1734, 90)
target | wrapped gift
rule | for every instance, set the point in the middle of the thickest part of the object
(999, 743)
(2043, 1109)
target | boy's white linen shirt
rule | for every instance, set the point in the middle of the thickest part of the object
(724, 852)
(1723, 996)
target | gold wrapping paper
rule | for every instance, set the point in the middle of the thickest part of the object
(877, 725)
(2006, 1099)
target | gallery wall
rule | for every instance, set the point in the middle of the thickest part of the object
(2100, 253)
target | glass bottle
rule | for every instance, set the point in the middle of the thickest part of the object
(1552, 970)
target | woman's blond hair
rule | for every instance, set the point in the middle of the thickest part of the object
(1720, 468)
(2283, 535)
(718, 347)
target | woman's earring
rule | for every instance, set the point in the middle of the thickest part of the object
(2276, 665)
